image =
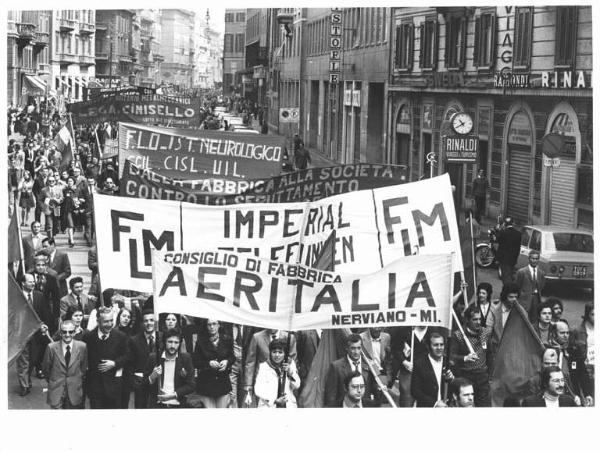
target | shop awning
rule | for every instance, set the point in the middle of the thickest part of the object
(35, 84)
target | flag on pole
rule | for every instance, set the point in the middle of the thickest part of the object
(14, 238)
(518, 360)
(22, 323)
(65, 141)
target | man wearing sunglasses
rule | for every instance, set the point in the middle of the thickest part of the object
(65, 366)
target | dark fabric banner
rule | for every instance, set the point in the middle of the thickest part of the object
(134, 106)
(184, 154)
(300, 186)
(22, 321)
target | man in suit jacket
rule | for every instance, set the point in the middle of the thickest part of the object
(65, 366)
(32, 353)
(553, 391)
(429, 374)
(77, 298)
(52, 198)
(39, 184)
(500, 311)
(509, 246)
(47, 284)
(531, 281)
(341, 368)
(85, 193)
(258, 352)
(32, 244)
(308, 343)
(59, 262)
(376, 345)
(171, 377)
(354, 384)
(142, 345)
(108, 353)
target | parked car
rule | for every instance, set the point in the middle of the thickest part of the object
(566, 255)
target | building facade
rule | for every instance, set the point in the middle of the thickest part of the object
(177, 47)
(115, 47)
(150, 56)
(208, 56)
(234, 51)
(28, 55)
(522, 73)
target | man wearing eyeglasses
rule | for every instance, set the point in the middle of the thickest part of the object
(354, 385)
(553, 391)
(65, 366)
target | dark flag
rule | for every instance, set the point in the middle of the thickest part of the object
(14, 239)
(326, 259)
(22, 323)
(15, 253)
(518, 360)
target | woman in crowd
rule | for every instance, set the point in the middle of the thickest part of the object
(213, 358)
(26, 197)
(542, 328)
(126, 321)
(70, 205)
(557, 309)
(277, 379)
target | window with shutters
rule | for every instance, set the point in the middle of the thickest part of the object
(239, 42)
(485, 41)
(566, 36)
(228, 43)
(456, 42)
(404, 46)
(228, 17)
(523, 38)
(240, 17)
(428, 33)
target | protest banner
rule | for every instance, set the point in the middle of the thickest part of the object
(411, 291)
(373, 228)
(133, 106)
(184, 154)
(299, 186)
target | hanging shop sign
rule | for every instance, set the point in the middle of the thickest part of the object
(507, 79)
(460, 148)
(335, 45)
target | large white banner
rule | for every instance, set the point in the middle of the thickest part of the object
(416, 290)
(373, 228)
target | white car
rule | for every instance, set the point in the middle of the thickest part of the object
(244, 129)
(566, 254)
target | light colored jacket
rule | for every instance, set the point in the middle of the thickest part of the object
(61, 378)
(267, 383)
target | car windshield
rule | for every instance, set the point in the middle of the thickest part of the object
(575, 242)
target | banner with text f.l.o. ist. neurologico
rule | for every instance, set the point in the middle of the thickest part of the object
(372, 228)
(226, 286)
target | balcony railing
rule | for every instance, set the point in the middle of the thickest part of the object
(101, 26)
(26, 32)
(86, 28)
(102, 55)
(66, 57)
(41, 39)
(86, 60)
(66, 24)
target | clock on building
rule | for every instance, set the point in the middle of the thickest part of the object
(462, 123)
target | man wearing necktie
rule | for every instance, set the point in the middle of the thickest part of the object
(142, 345)
(108, 353)
(86, 195)
(77, 298)
(341, 368)
(65, 366)
(531, 281)
(32, 353)
(47, 284)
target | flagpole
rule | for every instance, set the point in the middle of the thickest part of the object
(377, 380)
(460, 328)
(473, 250)
(21, 253)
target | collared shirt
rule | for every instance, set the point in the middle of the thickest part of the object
(353, 365)
(168, 387)
(437, 369)
(51, 257)
(551, 402)
(505, 312)
(64, 347)
(27, 294)
(348, 403)
(147, 338)
(100, 334)
(420, 333)
(533, 272)
(485, 308)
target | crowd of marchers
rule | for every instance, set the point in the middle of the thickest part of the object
(98, 348)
